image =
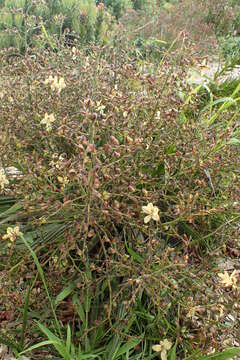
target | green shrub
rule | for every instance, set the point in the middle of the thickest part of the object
(24, 24)
(219, 15)
(230, 47)
(139, 4)
(151, 48)
(236, 23)
(118, 7)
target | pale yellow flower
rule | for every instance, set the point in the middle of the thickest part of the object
(61, 85)
(58, 161)
(100, 108)
(229, 280)
(3, 179)
(163, 348)
(74, 53)
(55, 83)
(12, 234)
(49, 80)
(48, 120)
(192, 312)
(152, 213)
(63, 181)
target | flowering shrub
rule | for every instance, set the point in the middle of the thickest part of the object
(127, 194)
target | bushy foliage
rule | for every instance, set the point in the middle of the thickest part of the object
(236, 21)
(220, 15)
(92, 154)
(150, 48)
(225, 17)
(230, 46)
(117, 7)
(119, 194)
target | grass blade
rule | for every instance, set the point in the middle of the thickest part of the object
(25, 311)
(41, 273)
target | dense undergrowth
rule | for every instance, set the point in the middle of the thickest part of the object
(98, 134)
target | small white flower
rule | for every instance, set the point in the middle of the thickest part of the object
(163, 348)
(47, 121)
(152, 213)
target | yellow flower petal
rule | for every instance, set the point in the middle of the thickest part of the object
(167, 344)
(164, 354)
(147, 219)
(155, 216)
(147, 209)
(157, 348)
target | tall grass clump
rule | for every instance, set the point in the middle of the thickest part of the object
(119, 195)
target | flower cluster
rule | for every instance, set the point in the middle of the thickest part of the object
(63, 180)
(12, 234)
(48, 120)
(3, 179)
(57, 161)
(229, 280)
(56, 84)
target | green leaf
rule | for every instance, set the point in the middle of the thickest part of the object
(36, 346)
(181, 94)
(24, 323)
(131, 344)
(135, 256)
(68, 341)
(64, 293)
(172, 353)
(159, 170)
(234, 141)
(13, 210)
(80, 309)
(225, 355)
(171, 150)
(41, 273)
(88, 301)
(57, 343)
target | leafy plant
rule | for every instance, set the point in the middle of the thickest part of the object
(124, 199)
(230, 47)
